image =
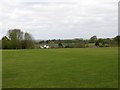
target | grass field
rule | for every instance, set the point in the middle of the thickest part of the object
(0, 69)
(61, 68)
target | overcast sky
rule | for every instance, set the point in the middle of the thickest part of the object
(48, 19)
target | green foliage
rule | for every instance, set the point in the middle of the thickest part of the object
(16, 40)
(117, 40)
(101, 45)
(79, 45)
(15, 34)
(108, 42)
(67, 46)
(5, 42)
(96, 43)
(93, 39)
(28, 42)
(0, 44)
(60, 45)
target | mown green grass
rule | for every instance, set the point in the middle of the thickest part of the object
(0, 69)
(61, 68)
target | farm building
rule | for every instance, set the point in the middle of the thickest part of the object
(44, 47)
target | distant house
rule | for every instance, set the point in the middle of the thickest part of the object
(44, 47)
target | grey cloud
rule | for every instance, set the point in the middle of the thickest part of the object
(62, 18)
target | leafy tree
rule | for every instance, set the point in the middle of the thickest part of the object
(0, 44)
(16, 39)
(93, 39)
(96, 43)
(28, 41)
(60, 45)
(15, 36)
(5, 42)
(117, 39)
(100, 40)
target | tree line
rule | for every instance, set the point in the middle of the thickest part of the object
(16, 39)
(81, 43)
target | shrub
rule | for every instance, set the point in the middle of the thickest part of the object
(79, 45)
